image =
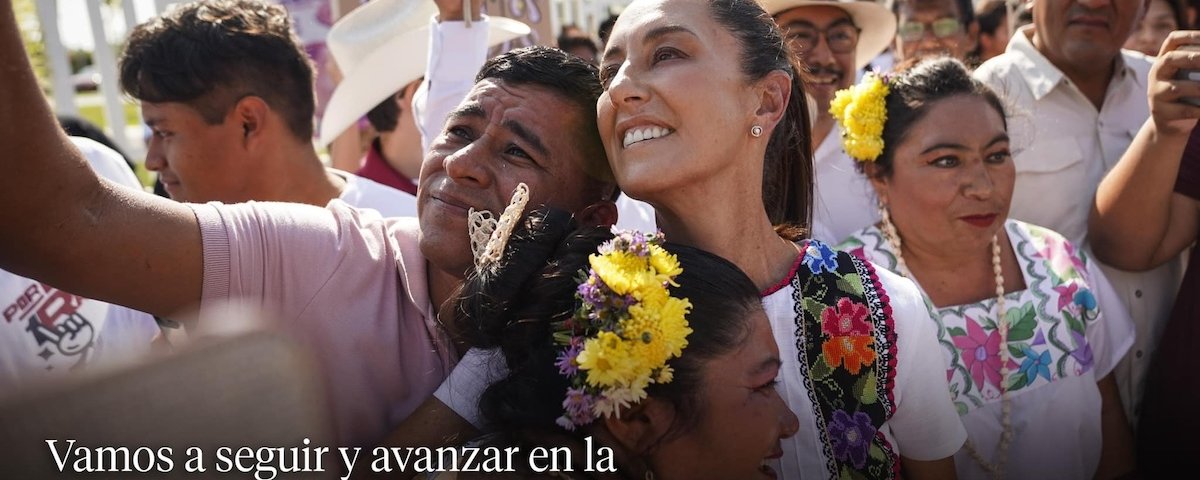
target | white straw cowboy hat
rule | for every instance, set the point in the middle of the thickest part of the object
(876, 21)
(380, 47)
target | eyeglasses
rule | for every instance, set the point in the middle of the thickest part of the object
(943, 27)
(841, 38)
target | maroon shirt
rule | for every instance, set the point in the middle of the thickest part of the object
(1169, 431)
(376, 168)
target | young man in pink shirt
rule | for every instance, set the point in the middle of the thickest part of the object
(360, 291)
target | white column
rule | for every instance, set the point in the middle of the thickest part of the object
(106, 62)
(56, 54)
(130, 11)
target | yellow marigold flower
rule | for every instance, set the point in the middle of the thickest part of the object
(665, 374)
(607, 360)
(862, 112)
(665, 264)
(621, 271)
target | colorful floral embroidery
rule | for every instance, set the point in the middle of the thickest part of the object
(1047, 322)
(847, 358)
(851, 352)
(818, 256)
(851, 436)
(981, 354)
(846, 319)
(1035, 364)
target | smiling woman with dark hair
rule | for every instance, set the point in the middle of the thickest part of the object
(1029, 328)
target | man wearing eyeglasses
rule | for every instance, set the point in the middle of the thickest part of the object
(929, 28)
(835, 39)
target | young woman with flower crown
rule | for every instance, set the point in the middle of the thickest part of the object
(660, 353)
(1029, 328)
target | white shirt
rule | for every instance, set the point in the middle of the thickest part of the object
(843, 200)
(925, 425)
(635, 215)
(47, 334)
(1056, 418)
(363, 192)
(1064, 147)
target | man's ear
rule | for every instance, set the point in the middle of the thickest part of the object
(773, 92)
(409, 91)
(599, 214)
(251, 113)
(642, 427)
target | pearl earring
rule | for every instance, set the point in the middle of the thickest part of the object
(756, 131)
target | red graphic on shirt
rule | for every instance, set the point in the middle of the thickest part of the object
(53, 318)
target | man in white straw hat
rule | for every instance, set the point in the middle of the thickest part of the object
(227, 90)
(382, 50)
(835, 39)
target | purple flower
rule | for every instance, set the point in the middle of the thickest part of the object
(1083, 351)
(851, 437)
(577, 407)
(819, 256)
(591, 291)
(566, 359)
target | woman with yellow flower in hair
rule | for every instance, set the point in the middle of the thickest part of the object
(1029, 327)
(660, 353)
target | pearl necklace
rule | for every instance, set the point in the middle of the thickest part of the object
(994, 470)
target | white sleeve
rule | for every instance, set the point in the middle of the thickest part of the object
(456, 52)
(926, 424)
(1112, 334)
(477, 370)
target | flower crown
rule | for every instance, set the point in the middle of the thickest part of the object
(862, 111)
(625, 330)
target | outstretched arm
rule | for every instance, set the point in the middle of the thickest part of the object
(1137, 222)
(456, 51)
(61, 224)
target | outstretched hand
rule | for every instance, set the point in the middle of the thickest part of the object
(1174, 99)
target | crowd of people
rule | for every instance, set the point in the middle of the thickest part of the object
(723, 238)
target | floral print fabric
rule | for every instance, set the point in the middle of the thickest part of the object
(1047, 322)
